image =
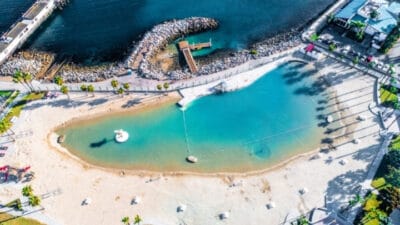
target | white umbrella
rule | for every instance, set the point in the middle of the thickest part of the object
(271, 205)
(136, 200)
(87, 201)
(182, 208)
(343, 162)
(224, 215)
(303, 191)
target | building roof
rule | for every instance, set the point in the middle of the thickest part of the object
(350, 9)
(387, 19)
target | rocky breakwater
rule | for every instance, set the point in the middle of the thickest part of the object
(158, 37)
(33, 62)
(73, 73)
(265, 48)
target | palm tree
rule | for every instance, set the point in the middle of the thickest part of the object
(90, 88)
(4, 125)
(137, 220)
(27, 190)
(114, 84)
(65, 91)
(83, 87)
(356, 60)
(374, 14)
(125, 220)
(359, 28)
(18, 78)
(34, 200)
(59, 80)
(27, 77)
(126, 86)
(166, 86)
(314, 37)
(120, 91)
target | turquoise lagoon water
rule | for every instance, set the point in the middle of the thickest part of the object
(249, 129)
(102, 30)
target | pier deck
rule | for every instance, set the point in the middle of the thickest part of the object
(201, 45)
(24, 27)
(185, 48)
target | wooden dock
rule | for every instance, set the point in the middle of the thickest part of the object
(186, 49)
(201, 45)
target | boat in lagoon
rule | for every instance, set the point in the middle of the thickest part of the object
(249, 129)
(121, 136)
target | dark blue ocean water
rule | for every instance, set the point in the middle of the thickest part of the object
(102, 30)
(245, 130)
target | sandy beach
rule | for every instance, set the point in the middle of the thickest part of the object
(245, 196)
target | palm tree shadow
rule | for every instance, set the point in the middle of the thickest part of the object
(131, 103)
(98, 101)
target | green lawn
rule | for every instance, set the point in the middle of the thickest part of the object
(5, 94)
(395, 144)
(17, 221)
(387, 98)
(16, 110)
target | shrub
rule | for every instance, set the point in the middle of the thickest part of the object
(253, 52)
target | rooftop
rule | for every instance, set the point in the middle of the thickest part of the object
(350, 9)
(387, 19)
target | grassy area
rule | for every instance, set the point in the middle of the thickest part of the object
(371, 211)
(378, 183)
(387, 97)
(16, 110)
(17, 221)
(395, 144)
(387, 182)
(5, 94)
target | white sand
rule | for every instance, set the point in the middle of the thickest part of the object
(205, 196)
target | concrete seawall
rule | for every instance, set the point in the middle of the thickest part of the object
(24, 28)
(245, 75)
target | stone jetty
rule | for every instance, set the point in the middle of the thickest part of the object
(152, 42)
(158, 37)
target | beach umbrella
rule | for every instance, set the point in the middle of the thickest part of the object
(87, 201)
(181, 208)
(343, 162)
(271, 205)
(309, 47)
(303, 191)
(224, 215)
(136, 200)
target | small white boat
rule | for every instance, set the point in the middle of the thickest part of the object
(121, 136)
(191, 159)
